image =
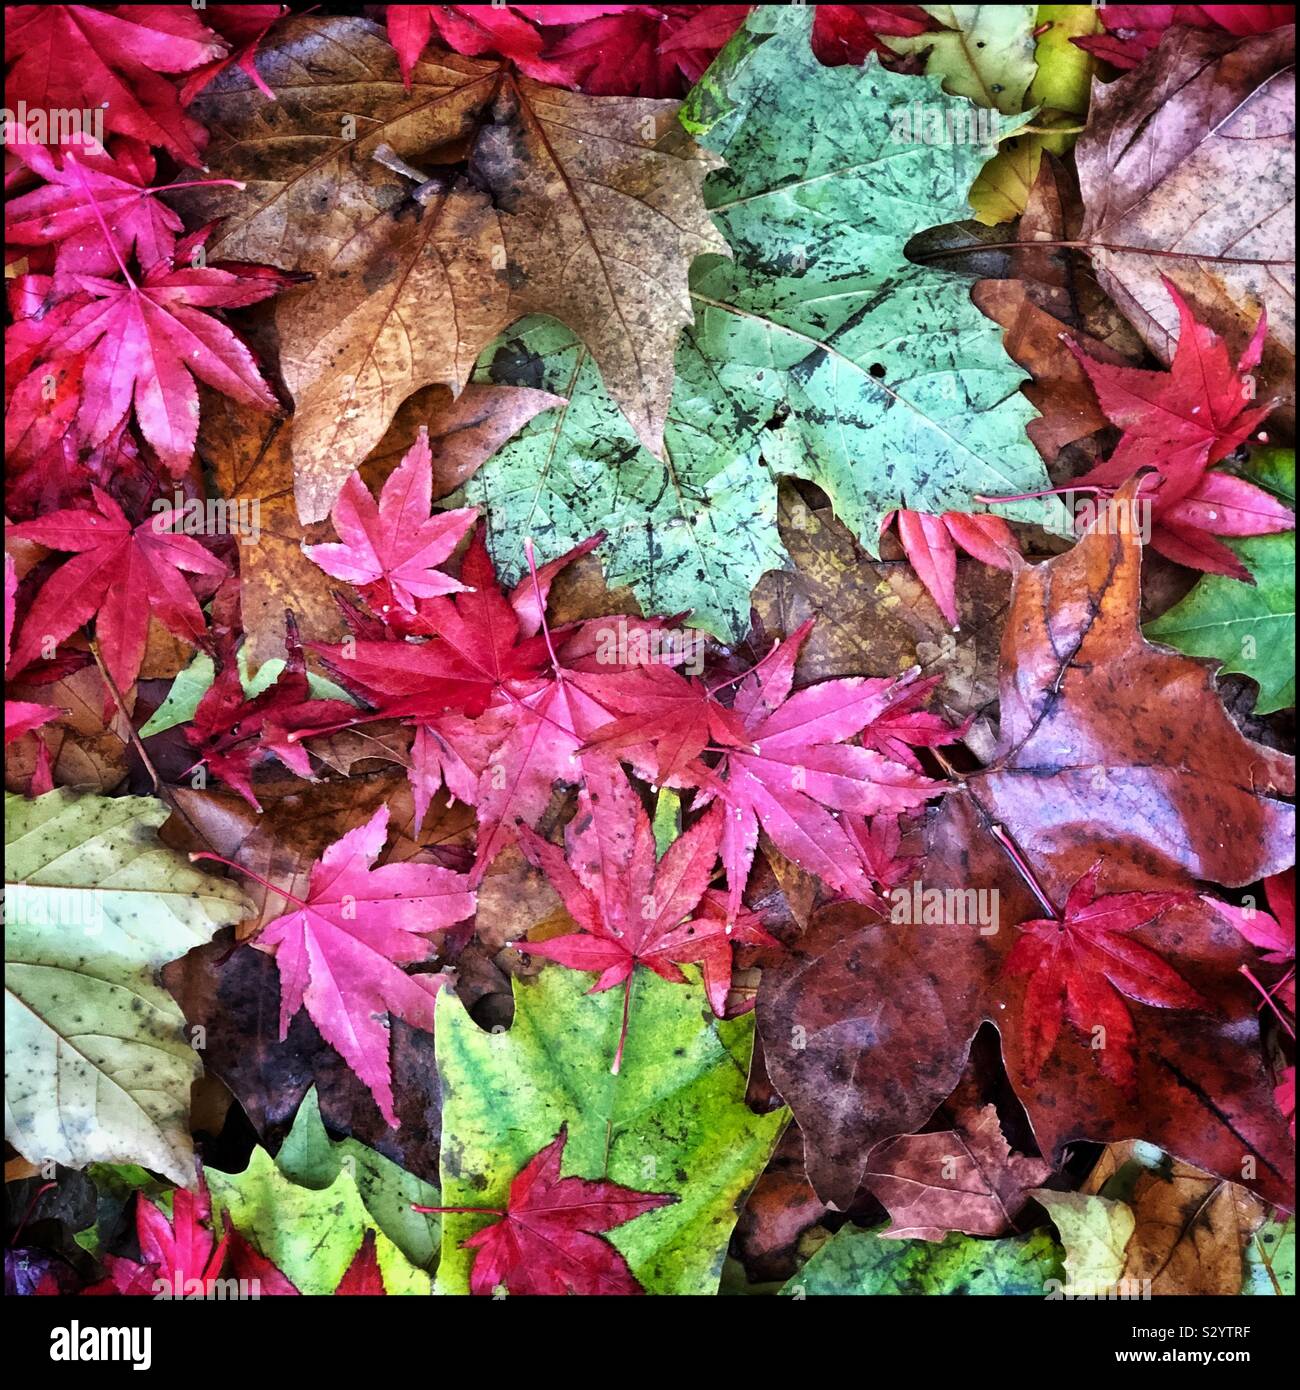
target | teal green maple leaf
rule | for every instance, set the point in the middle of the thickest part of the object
(819, 351)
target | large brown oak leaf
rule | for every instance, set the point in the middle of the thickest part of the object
(539, 201)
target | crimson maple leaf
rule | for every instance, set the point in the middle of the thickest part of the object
(229, 730)
(548, 1239)
(665, 721)
(798, 770)
(21, 716)
(1133, 31)
(1181, 422)
(340, 951)
(1273, 933)
(930, 543)
(469, 29)
(120, 576)
(74, 57)
(632, 910)
(145, 342)
(1079, 965)
(180, 1251)
(390, 551)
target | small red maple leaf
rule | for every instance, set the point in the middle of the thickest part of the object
(1081, 963)
(548, 1239)
(340, 951)
(632, 910)
(1181, 422)
(120, 576)
(390, 551)
(229, 730)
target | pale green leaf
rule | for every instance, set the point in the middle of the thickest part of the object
(98, 1066)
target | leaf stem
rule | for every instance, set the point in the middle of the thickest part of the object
(1022, 868)
(924, 256)
(256, 877)
(70, 160)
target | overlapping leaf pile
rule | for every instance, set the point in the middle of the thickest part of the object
(553, 671)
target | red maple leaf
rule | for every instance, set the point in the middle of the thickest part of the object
(145, 342)
(469, 29)
(798, 771)
(501, 708)
(180, 1251)
(930, 543)
(1132, 31)
(1181, 422)
(548, 1239)
(1273, 933)
(1083, 961)
(121, 575)
(244, 26)
(632, 910)
(340, 951)
(390, 551)
(229, 730)
(110, 58)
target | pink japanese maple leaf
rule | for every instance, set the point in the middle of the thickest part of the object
(1273, 933)
(111, 58)
(930, 543)
(70, 209)
(339, 952)
(1083, 962)
(501, 712)
(120, 575)
(548, 1238)
(21, 716)
(1133, 31)
(632, 910)
(230, 731)
(145, 342)
(390, 551)
(799, 771)
(182, 1251)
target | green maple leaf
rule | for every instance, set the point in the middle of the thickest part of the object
(898, 389)
(1250, 628)
(673, 1120)
(98, 1066)
(893, 388)
(693, 530)
(854, 1261)
(311, 1234)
